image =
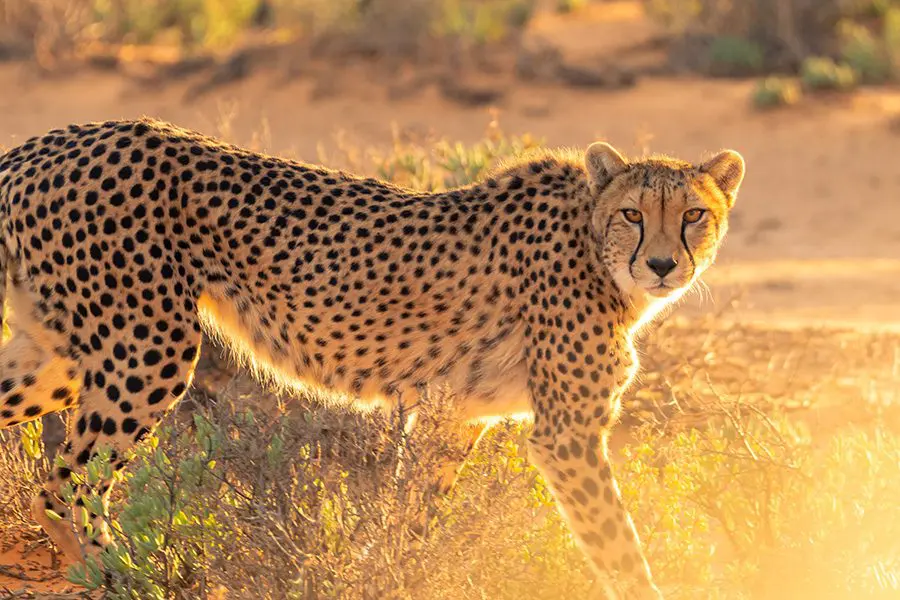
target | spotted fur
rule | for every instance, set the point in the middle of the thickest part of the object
(125, 240)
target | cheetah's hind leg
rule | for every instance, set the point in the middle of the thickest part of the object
(116, 410)
(35, 381)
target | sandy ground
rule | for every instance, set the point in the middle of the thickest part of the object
(24, 568)
(815, 237)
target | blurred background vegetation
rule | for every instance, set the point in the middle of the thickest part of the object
(728, 37)
(793, 46)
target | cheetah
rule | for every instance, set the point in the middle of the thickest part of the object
(122, 242)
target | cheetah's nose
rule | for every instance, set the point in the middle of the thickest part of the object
(661, 266)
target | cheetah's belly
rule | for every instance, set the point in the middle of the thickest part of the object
(501, 391)
(486, 374)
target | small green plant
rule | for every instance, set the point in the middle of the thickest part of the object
(167, 532)
(569, 6)
(32, 439)
(752, 38)
(449, 164)
(820, 73)
(463, 164)
(734, 56)
(482, 22)
(775, 91)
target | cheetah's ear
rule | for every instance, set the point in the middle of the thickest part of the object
(727, 170)
(603, 163)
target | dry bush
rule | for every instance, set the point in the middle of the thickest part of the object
(23, 466)
(325, 503)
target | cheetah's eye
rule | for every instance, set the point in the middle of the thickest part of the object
(693, 215)
(633, 216)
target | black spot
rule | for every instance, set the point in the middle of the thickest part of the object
(610, 530)
(134, 384)
(96, 423)
(152, 357)
(157, 396)
(109, 426)
(129, 425)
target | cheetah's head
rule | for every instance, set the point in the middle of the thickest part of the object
(660, 220)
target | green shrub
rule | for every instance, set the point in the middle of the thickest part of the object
(167, 532)
(57, 29)
(740, 505)
(462, 165)
(322, 506)
(775, 91)
(779, 38)
(819, 73)
(735, 56)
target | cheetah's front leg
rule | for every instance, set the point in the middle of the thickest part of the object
(575, 374)
(576, 465)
